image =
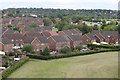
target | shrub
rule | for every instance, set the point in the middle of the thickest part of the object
(79, 47)
(46, 51)
(69, 55)
(28, 48)
(75, 50)
(5, 64)
(103, 46)
(10, 70)
(65, 49)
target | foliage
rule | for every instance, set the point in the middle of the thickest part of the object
(103, 46)
(65, 49)
(70, 54)
(28, 48)
(95, 27)
(79, 47)
(75, 50)
(78, 14)
(47, 22)
(46, 51)
(33, 25)
(10, 70)
(5, 64)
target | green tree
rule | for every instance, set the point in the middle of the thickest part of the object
(28, 48)
(33, 25)
(46, 51)
(79, 47)
(47, 22)
(65, 49)
(95, 27)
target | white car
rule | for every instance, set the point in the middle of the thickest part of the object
(2, 68)
(16, 47)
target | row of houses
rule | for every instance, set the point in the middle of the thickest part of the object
(54, 41)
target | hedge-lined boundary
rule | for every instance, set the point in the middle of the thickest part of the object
(10, 70)
(103, 46)
(69, 54)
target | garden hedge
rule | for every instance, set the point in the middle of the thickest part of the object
(35, 56)
(10, 70)
(103, 46)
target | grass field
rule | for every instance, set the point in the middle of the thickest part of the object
(101, 65)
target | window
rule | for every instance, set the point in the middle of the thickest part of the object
(37, 49)
(42, 44)
(37, 44)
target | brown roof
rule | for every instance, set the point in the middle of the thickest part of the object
(72, 31)
(13, 36)
(91, 36)
(6, 41)
(33, 34)
(75, 37)
(45, 33)
(60, 38)
(40, 38)
(106, 34)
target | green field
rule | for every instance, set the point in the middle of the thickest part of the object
(101, 65)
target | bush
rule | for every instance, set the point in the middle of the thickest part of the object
(10, 70)
(5, 64)
(65, 49)
(103, 46)
(28, 48)
(75, 50)
(46, 51)
(69, 55)
(79, 47)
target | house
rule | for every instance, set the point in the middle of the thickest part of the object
(31, 34)
(70, 32)
(45, 34)
(111, 37)
(94, 36)
(99, 37)
(57, 42)
(5, 45)
(75, 40)
(88, 38)
(15, 38)
(8, 31)
(39, 43)
(48, 33)
(37, 29)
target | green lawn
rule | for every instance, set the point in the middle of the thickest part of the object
(101, 65)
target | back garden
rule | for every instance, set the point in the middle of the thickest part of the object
(74, 66)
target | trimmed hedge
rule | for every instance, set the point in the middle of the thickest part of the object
(69, 54)
(10, 70)
(103, 46)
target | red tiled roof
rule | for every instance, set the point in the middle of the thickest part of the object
(53, 33)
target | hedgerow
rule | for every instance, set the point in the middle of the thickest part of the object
(69, 54)
(103, 46)
(10, 70)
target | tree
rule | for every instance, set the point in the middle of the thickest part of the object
(95, 27)
(33, 25)
(46, 51)
(65, 49)
(47, 22)
(28, 48)
(79, 47)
